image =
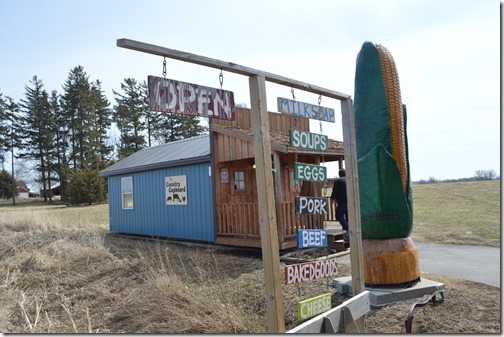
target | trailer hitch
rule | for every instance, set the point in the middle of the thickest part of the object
(432, 300)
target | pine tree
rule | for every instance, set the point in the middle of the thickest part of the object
(77, 106)
(129, 115)
(103, 122)
(38, 131)
(3, 128)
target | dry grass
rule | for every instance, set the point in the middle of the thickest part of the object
(457, 213)
(61, 271)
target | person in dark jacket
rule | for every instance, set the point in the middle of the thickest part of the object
(339, 194)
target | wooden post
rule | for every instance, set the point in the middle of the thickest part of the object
(267, 210)
(352, 185)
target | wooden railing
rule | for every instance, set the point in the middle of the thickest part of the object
(240, 219)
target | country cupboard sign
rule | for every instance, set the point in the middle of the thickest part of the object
(176, 190)
(166, 95)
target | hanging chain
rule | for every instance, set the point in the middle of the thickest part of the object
(322, 152)
(164, 67)
(221, 79)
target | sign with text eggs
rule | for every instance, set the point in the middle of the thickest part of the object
(311, 238)
(308, 172)
(166, 95)
(308, 140)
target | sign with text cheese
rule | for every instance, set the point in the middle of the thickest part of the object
(314, 306)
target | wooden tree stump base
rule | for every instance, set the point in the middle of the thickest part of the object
(390, 261)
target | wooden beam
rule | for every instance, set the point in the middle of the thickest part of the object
(228, 66)
(267, 210)
(354, 218)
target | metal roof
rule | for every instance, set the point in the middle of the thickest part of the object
(180, 152)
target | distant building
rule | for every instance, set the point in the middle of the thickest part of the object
(23, 193)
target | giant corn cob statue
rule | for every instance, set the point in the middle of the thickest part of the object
(390, 256)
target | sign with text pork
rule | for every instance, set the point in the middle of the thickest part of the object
(314, 306)
(166, 95)
(308, 140)
(309, 271)
(176, 190)
(307, 110)
(308, 172)
(311, 205)
(311, 238)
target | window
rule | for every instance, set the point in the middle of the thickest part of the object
(127, 192)
(239, 180)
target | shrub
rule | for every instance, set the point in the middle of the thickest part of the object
(85, 187)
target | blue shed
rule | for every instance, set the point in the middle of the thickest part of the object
(164, 191)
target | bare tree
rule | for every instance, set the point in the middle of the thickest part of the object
(485, 174)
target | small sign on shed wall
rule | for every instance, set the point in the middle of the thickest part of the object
(176, 190)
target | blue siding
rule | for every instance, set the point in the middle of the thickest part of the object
(150, 214)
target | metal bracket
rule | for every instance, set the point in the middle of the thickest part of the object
(432, 300)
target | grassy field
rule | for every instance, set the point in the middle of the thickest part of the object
(61, 271)
(460, 213)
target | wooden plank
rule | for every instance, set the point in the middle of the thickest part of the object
(267, 212)
(352, 185)
(228, 66)
(278, 194)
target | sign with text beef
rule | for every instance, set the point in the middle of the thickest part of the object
(305, 110)
(176, 190)
(166, 95)
(311, 205)
(314, 306)
(309, 271)
(308, 172)
(311, 238)
(308, 140)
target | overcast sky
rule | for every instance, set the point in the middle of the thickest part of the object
(447, 53)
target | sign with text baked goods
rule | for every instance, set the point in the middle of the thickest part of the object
(309, 271)
(166, 95)
(176, 190)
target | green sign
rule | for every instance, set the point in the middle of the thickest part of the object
(314, 306)
(307, 140)
(309, 172)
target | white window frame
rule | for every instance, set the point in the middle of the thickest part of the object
(124, 193)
